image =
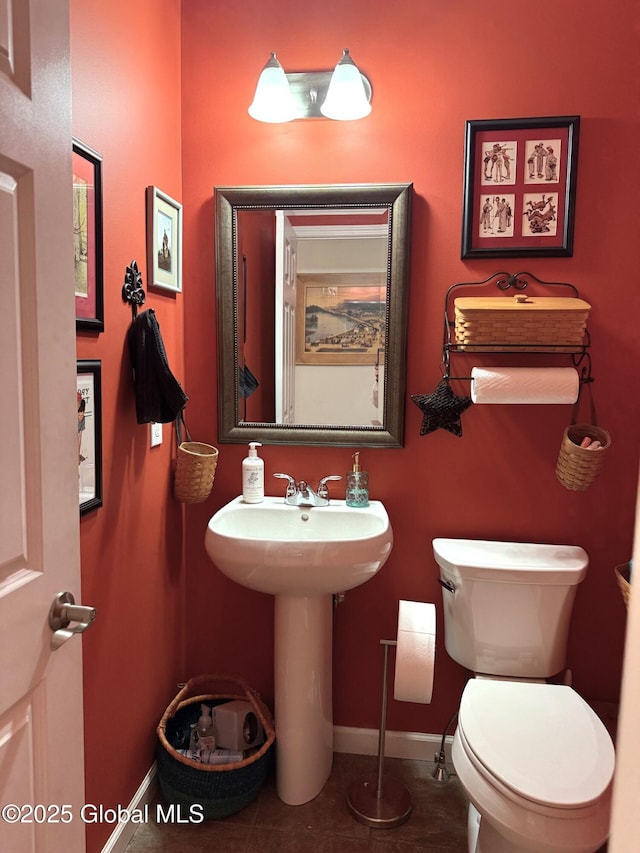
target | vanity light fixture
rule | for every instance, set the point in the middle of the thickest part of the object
(343, 94)
(273, 101)
(346, 99)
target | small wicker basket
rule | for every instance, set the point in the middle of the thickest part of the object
(218, 790)
(577, 467)
(622, 576)
(195, 468)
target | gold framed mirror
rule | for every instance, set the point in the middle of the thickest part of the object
(312, 300)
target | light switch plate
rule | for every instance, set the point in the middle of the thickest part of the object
(156, 434)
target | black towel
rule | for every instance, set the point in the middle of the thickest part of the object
(159, 395)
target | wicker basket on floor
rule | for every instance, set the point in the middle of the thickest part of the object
(218, 790)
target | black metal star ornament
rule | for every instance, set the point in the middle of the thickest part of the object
(442, 409)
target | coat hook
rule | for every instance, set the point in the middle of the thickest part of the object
(132, 290)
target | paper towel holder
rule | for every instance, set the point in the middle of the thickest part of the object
(380, 800)
(519, 281)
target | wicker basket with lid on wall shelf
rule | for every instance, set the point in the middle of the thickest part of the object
(521, 323)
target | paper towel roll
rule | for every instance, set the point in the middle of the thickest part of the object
(524, 385)
(415, 651)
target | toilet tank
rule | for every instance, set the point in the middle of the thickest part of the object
(507, 605)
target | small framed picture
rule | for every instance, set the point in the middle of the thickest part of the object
(342, 317)
(519, 187)
(89, 405)
(164, 241)
(87, 237)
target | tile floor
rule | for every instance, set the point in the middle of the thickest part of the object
(437, 822)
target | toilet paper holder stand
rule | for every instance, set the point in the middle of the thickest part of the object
(380, 800)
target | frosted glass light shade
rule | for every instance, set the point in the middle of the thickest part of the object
(272, 101)
(346, 98)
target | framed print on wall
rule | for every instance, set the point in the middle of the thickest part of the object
(164, 241)
(519, 187)
(89, 404)
(341, 317)
(87, 237)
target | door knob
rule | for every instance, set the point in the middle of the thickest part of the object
(62, 613)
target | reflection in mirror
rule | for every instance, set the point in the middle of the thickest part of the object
(312, 307)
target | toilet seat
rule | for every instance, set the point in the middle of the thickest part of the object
(541, 745)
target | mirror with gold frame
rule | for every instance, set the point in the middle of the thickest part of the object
(312, 301)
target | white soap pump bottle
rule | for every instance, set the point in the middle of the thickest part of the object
(253, 476)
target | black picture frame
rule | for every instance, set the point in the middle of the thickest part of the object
(89, 404)
(533, 213)
(87, 237)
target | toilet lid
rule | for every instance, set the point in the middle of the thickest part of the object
(540, 740)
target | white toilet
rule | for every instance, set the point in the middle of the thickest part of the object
(534, 759)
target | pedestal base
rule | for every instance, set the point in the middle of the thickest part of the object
(303, 632)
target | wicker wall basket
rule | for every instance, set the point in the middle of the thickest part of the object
(577, 467)
(622, 577)
(218, 790)
(521, 323)
(195, 468)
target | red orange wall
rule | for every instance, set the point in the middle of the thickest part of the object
(126, 104)
(151, 94)
(432, 67)
(257, 244)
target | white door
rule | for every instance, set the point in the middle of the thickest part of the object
(285, 332)
(41, 735)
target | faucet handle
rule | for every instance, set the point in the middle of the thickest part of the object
(291, 485)
(323, 489)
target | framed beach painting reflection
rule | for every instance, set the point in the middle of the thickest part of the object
(519, 187)
(89, 406)
(341, 317)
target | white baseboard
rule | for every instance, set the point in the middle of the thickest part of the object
(124, 831)
(415, 745)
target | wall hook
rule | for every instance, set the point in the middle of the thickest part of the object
(132, 290)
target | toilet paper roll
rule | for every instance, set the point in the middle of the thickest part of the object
(415, 652)
(524, 385)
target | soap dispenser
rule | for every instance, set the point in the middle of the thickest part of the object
(357, 484)
(253, 476)
(203, 733)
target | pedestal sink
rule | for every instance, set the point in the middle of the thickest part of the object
(302, 556)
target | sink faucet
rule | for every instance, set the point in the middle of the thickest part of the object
(301, 493)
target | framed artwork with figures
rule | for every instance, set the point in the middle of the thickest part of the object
(519, 187)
